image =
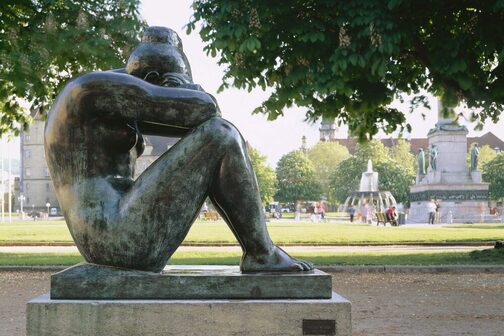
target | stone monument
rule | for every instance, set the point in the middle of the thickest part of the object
(458, 189)
(127, 229)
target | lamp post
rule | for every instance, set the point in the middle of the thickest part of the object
(47, 206)
(21, 199)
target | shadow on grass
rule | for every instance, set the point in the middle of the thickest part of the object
(488, 255)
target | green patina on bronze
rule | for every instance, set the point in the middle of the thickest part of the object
(94, 134)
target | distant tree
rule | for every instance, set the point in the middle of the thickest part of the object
(493, 173)
(44, 43)
(351, 59)
(401, 154)
(486, 154)
(266, 176)
(296, 178)
(346, 178)
(325, 156)
(373, 150)
(394, 177)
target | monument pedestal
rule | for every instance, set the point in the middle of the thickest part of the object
(458, 202)
(99, 300)
(461, 194)
(46, 317)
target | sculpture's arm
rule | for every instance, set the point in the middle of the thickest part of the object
(116, 95)
(164, 130)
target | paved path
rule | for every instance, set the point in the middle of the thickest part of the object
(387, 248)
(383, 304)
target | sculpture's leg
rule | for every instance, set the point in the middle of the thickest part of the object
(211, 160)
(235, 193)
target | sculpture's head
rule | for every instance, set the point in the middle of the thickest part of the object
(159, 58)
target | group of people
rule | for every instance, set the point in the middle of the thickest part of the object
(367, 212)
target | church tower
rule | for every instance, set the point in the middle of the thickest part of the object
(328, 130)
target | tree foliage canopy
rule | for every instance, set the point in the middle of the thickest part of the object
(396, 178)
(401, 153)
(296, 178)
(44, 43)
(493, 174)
(266, 176)
(350, 59)
(325, 156)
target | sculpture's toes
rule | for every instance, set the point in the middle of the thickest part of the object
(276, 261)
(306, 265)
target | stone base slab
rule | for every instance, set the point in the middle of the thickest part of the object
(97, 282)
(459, 202)
(450, 212)
(46, 317)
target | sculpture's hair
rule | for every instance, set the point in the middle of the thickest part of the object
(156, 34)
(160, 52)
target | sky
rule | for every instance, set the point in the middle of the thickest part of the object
(271, 138)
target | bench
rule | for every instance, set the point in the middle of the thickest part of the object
(211, 215)
(383, 218)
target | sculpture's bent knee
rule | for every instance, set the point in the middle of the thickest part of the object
(222, 131)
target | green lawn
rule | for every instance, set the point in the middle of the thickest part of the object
(281, 232)
(485, 257)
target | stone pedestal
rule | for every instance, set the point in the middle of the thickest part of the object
(461, 194)
(459, 203)
(46, 317)
(123, 302)
(476, 176)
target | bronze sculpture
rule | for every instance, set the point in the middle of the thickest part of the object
(421, 162)
(474, 157)
(433, 156)
(93, 136)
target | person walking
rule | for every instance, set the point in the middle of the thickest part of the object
(431, 206)
(351, 212)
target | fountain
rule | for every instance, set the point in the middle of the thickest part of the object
(369, 179)
(369, 194)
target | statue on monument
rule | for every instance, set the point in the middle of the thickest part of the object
(474, 157)
(421, 162)
(94, 134)
(447, 119)
(433, 155)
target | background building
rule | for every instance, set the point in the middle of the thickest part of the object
(328, 132)
(35, 181)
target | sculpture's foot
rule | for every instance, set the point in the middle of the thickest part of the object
(276, 261)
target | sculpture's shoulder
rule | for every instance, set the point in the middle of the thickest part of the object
(69, 107)
(73, 102)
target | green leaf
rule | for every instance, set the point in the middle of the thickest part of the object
(354, 59)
